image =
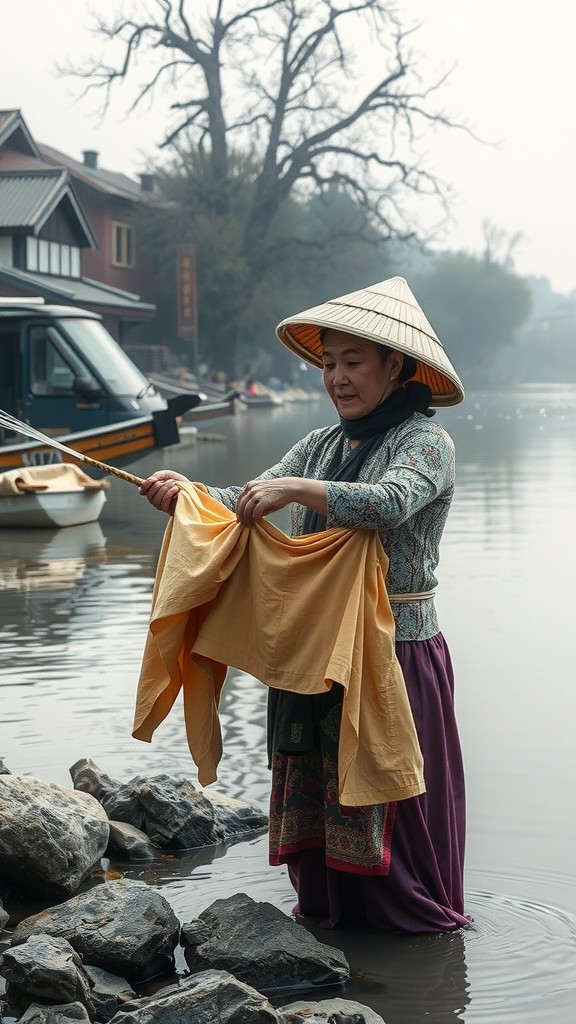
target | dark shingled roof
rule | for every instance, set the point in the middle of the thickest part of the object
(28, 199)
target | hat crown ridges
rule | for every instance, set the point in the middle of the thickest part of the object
(392, 298)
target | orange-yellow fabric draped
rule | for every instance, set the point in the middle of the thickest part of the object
(298, 613)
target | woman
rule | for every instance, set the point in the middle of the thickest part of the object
(385, 466)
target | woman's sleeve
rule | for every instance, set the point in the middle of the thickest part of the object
(421, 469)
(293, 463)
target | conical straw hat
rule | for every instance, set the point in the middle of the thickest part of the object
(386, 313)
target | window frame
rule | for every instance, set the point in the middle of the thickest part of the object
(123, 255)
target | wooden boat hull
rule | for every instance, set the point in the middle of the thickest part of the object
(51, 509)
(118, 445)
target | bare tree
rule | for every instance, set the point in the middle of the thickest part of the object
(319, 95)
(277, 77)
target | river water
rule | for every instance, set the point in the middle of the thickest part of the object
(73, 612)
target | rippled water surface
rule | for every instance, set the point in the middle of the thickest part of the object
(73, 614)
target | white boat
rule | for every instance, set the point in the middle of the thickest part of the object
(55, 495)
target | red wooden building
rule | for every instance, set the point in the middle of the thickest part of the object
(68, 233)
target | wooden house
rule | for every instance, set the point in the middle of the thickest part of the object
(68, 234)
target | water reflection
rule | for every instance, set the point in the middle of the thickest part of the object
(74, 609)
(48, 559)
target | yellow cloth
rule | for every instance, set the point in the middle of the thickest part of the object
(55, 476)
(297, 613)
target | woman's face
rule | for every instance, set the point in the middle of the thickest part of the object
(355, 375)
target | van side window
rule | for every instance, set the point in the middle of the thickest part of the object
(50, 374)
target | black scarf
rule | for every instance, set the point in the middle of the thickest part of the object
(293, 717)
(369, 430)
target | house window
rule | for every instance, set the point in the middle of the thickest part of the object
(31, 253)
(65, 260)
(74, 261)
(52, 258)
(123, 245)
(43, 257)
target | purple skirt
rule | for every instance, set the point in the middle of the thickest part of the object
(423, 889)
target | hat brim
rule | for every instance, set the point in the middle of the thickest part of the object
(304, 341)
(387, 314)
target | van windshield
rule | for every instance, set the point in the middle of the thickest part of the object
(106, 357)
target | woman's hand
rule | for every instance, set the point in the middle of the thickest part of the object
(259, 498)
(162, 489)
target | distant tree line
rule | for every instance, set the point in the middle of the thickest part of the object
(476, 306)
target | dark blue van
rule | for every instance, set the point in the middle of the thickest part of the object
(61, 371)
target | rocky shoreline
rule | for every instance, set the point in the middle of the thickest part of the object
(100, 939)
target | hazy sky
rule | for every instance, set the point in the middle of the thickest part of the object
(514, 82)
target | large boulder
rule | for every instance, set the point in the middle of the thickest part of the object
(119, 799)
(125, 927)
(201, 999)
(171, 811)
(45, 969)
(261, 946)
(51, 838)
(212, 996)
(66, 1013)
(328, 1011)
(107, 992)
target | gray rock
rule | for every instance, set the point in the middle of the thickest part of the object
(45, 968)
(119, 800)
(125, 927)
(171, 811)
(235, 817)
(107, 992)
(195, 932)
(176, 815)
(328, 1011)
(130, 842)
(51, 838)
(3, 769)
(4, 916)
(54, 1014)
(205, 998)
(261, 946)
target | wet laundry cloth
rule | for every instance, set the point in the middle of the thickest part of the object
(298, 613)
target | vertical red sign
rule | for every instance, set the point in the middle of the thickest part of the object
(186, 291)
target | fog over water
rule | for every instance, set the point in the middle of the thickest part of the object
(73, 614)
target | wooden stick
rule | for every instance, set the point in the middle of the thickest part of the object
(121, 473)
(9, 421)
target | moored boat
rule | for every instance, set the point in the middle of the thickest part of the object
(209, 394)
(119, 444)
(64, 375)
(54, 495)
